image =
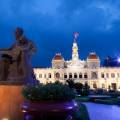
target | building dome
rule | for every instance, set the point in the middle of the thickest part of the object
(58, 56)
(93, 56)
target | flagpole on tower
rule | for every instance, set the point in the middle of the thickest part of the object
(76, 35)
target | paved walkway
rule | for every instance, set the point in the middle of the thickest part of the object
(103, 112)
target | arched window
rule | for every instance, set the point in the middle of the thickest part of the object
(57, 75)
(94, 85)
(80, 75)
(49, 75)
(75, 75)
(65, 75)
(70, 75)
(85, 76)
(94, 75)
(112, 75)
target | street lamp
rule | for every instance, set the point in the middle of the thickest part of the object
(118, 60)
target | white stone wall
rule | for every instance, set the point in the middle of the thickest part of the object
(105, 76)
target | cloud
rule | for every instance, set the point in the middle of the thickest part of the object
(52, 22)
(58, 13)
(110, 11)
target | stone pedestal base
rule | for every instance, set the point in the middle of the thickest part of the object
(10, 101)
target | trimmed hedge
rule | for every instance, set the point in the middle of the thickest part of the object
(82, 99)
(108, 102)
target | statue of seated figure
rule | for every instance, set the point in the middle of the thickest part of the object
(15, 62)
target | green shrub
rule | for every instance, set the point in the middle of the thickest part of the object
(49, 92)
(85, 91)
(82, 99)
(78, 87)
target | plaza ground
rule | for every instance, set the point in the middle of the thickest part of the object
(102, 111)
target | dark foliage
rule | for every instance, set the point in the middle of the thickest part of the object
(85, 90)
(79, 87)
(70, 83)
(49, 92)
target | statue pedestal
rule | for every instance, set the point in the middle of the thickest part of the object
(10, 101)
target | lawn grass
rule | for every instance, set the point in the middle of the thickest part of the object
(81, 113)
(82, 99)
(84, 113)
(109, 101)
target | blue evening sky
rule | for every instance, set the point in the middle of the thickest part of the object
(51, 23)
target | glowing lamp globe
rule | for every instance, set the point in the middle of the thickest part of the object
(119, 60)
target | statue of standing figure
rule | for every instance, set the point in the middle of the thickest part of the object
(15, 62)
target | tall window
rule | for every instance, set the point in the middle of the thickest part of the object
(107, 75)
(80, 75)
(70, 75)
(44, 75)
(85, 76)
(102, 75)
(94, 85)
(75, 75)
(65, 75)
(112, 75)
(49, 75)
(94, 75)
(40, 75)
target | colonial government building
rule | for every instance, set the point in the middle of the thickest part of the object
(82, 71)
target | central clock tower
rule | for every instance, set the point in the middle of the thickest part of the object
(75, 55)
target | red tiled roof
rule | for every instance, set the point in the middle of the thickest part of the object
(92, 56)
(58, 57)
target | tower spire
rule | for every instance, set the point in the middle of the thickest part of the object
(75, 55)
(74, 40)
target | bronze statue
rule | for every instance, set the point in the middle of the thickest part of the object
(15, 62)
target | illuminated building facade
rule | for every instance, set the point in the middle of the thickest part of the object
(82, 71)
